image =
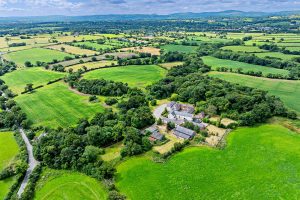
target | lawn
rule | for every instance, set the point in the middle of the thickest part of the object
(8, 150)
(18, 79)
(279, 55)
(216, 62)
(135, 75)
(92, 65)
(247, 49)
(258, 163)
(73, 50)
(94, 45)
(179, 48)
(34, 55)
(288, 91)
(55, 105)
(67, 185)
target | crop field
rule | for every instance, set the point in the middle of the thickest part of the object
(277, 55)
(18, 79)
(73, 50)
(247, 49)
(94, 45)
(55, 105)
(215, 63)
(269, 171)
(93, 65)
(8, 150)
(135, 75)
(34, 55)
(288, 91)
(179, 48)
(152, 50)
(67, 185)
(71, 38)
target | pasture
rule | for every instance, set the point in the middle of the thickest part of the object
(34, 55)
(94, 45)
(56, 105)
(170, 64)
(8, 150)
(279, 55)
(92, 65)
(18, 79)
(68, 185)
(288, 91)
(246, 49)
(217, 63)
(72, 49)
(258, 163)
(179, 48)
(135, 75)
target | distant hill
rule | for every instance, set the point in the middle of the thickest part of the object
(117, 17)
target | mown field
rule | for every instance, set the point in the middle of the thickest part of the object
(95, 45)
(288, 91)
(216, 62)
(72, 49)
(68, 185)
(179, 48)
(277, 55)
(55, 105)
(247, 49)
(34, 55)
(92, 65)
(8, 150)
(134, 75)
(18, 79)
(258, 163)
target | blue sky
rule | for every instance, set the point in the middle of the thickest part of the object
(98, 7)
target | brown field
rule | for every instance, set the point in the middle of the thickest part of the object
(73, 50)
(226, 122)
(152, 50)
(170, 64)
(93, 65)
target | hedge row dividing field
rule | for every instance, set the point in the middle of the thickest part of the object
(8, 150)
(55, 105)
(18, 79)
(288, 91)
(258, 163)
(217, 63)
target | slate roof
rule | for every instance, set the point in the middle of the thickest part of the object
(157, 135)
(184, 132)
(184, 114)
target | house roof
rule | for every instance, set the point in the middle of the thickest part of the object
(151, 129)
(179, 134)
(200, 125)
(184, 114)
(185, 131)
(157, 136)
(171, 104)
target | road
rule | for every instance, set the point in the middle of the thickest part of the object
(32, 162)
(159, 110)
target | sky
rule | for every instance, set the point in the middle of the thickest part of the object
(103, 7)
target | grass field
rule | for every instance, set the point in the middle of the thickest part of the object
(179, 48)
(215, 63)
(277, 55)
(71, 38)
(94, 45)
(247, 49)
(170, 64)
(288, 91)
(18, 79)
(34, 55)
(55, 105)
(134, 75)
(67, 185)
(8, 150)
(92, 65)
(73, 50)
(258, 163)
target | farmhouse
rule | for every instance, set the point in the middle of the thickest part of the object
(180, 111)
(155, 134)
(184, 133)
(180, 115)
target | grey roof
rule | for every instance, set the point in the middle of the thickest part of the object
(151, 129)
(184, 136)
(200, 125)
(185, 114)
(171, 104)
(157, 136)
(185, 131)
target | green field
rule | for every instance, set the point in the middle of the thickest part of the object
(18, 79)
(94, 45)
(34, 55)
(67, 185)
(247, 49)
(288, 91)
(134, 75)
(8, 150)
(216, 62)
(179, 48)
(277, 55)
(55, 105)
(258, 163)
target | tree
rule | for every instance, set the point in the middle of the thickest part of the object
(28, 64)
(63, 49)
(29, 87)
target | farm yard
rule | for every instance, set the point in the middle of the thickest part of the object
(135, 75)
(59, 184)
(55, 105)
(37, 76)
(34, 55)
(175, 179)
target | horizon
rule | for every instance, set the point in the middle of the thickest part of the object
(26, 8)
